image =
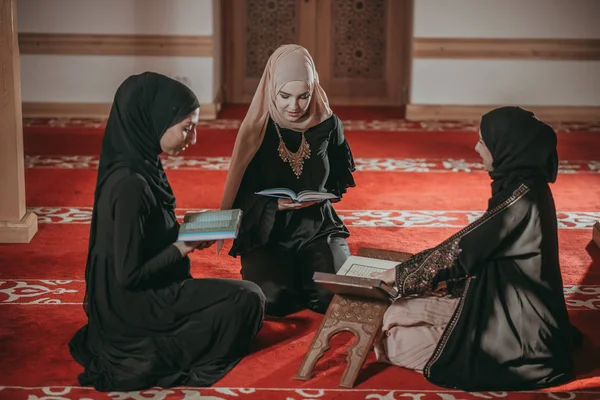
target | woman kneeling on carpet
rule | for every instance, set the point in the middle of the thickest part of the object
(149, 322)
(485, 309)
(289, 139)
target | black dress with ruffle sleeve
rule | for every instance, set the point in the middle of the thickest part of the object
(291, 233)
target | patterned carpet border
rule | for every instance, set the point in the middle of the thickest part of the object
(79, 393)
(358, 218)
(196, 163)
(19, 291)
(391, 125)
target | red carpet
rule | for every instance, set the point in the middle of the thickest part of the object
(416, 185)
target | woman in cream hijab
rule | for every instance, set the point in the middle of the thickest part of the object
(289, 139)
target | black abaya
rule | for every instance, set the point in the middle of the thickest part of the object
(510, 330)
(149, 322)
(280, 250)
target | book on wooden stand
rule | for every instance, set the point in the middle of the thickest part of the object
(354, 279)
(358, 306)
(596, 233)
(356, 287)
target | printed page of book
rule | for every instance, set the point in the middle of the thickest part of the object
(308, 195)
(364, 266)
(278, 192)
(221, 220)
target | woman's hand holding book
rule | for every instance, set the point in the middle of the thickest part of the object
(287, 204)
(187, 247)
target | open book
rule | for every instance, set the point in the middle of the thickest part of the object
(301, 197)
(353, 279)
(210, 225)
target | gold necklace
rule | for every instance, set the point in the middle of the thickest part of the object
(296, 160)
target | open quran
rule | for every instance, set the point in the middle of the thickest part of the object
(353, 278)
(210, 225)
(301, 197)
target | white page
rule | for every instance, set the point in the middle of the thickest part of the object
(365, 266)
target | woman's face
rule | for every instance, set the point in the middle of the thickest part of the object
(292, 100)
(180, 136)
(485, 154)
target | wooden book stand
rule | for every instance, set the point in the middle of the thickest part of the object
(360, 316)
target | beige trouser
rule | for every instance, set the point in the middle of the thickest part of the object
(411, 330)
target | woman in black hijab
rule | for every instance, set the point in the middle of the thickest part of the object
(508, 328)
(149, 322)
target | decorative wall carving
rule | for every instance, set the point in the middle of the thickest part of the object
(270, 23)
(359, 38)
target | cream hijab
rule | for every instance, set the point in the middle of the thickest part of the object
(288, 63)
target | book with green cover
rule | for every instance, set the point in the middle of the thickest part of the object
(210, 225)
(301, 197)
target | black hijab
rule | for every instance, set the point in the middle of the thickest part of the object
(144, 107)
(523, 147)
